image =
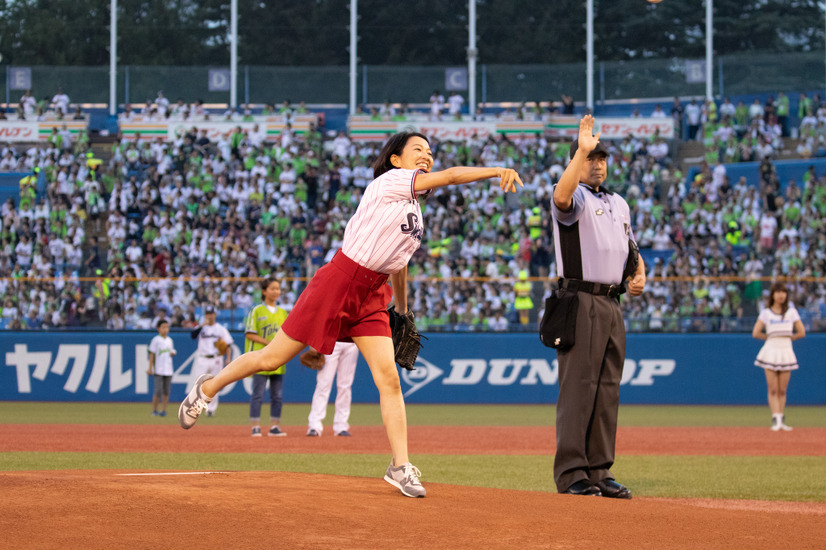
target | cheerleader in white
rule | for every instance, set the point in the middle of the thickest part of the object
(778, 324)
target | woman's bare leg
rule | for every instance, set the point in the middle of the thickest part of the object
(773, 383)
(278, 352)
(378, 352)
(782, 385)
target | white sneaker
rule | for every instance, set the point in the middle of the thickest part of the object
(783, 425)
(406, 479)
(194, 404)
(776, 423)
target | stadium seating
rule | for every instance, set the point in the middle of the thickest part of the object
(205, 217)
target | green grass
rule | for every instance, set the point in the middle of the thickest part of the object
(295, 414)
(694, 415)
(793, 478)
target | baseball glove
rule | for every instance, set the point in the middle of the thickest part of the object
(406, 339)
(221, 346)
(312, 359)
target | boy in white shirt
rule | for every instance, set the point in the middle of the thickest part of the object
(161, 351)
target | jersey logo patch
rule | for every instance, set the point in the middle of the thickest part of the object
(600, 212)
(412, 226)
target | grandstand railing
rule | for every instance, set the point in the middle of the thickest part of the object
(101, 298)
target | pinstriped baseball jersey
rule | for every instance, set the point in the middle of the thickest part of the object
(387, 227)
(599, 224)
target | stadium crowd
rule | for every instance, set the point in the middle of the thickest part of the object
(158, 230)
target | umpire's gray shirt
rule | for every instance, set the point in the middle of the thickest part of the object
(592, 239)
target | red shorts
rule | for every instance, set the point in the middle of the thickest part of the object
(342, 300)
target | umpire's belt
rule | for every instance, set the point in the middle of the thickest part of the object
(209, 356)
(597, 289)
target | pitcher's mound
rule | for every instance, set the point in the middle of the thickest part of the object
(105, 509)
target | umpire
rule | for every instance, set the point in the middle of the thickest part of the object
(592, 227)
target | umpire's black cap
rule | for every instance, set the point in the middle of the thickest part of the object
(600, 149)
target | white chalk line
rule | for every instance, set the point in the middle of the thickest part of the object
(173, 473)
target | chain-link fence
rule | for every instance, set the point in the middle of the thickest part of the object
(744, 74)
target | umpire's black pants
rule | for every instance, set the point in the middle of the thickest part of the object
(589, 381)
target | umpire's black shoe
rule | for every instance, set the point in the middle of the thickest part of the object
(612, 489)
(583, 487)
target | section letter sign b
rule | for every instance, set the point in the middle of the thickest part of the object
(219, 80)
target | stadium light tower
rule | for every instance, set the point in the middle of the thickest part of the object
(472, 54)
(589, 55)
(113, 57)
(709, 48)
(233, 55)
(353, 53)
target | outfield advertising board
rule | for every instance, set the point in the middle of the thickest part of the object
(22, 131)
(267, 127)
(710, 369)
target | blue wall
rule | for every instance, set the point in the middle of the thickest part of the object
(453, 368)
(10, 186)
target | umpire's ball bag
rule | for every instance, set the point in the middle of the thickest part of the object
(558, 327)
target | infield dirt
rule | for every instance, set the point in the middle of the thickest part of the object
(101, 509)
(158, 509)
